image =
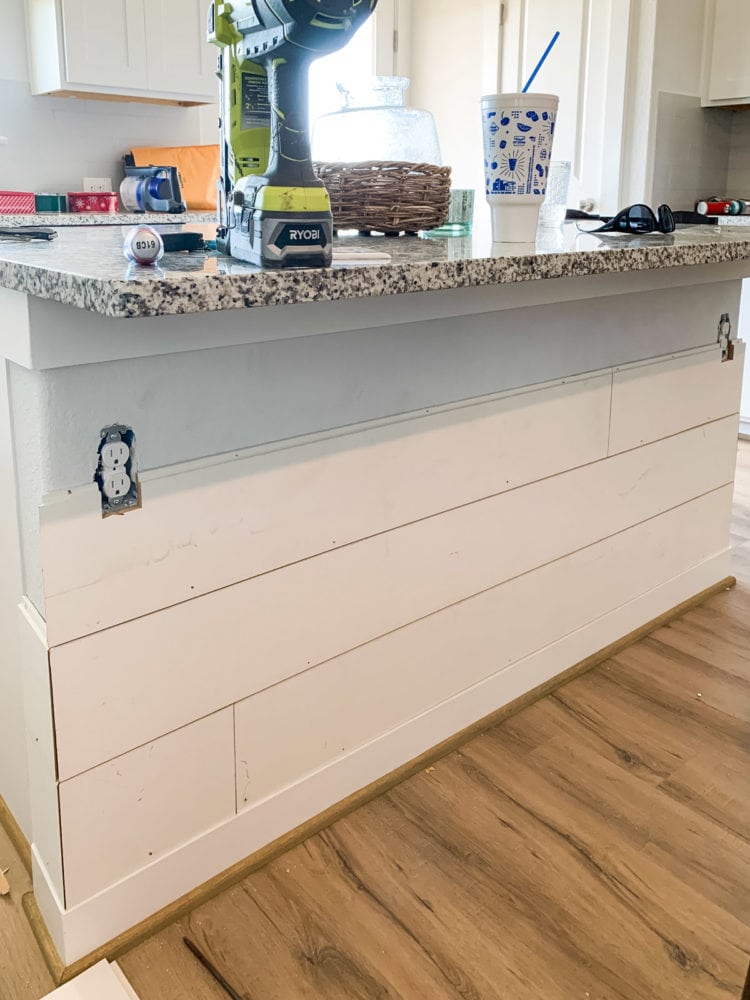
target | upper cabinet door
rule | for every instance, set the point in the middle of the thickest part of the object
(180, 58)
(105, 43)
(729, 72)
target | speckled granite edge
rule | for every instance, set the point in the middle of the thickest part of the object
(214, 292)
(63, 220)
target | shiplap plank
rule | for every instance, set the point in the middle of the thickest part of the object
(125, 814)
(652, 401)
(290, 730)
(210, 525)
(138, 680)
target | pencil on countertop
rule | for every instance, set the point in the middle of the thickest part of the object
(213, 970)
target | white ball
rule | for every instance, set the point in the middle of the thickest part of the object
(143, 245)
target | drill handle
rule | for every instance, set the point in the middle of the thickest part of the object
(290, 163)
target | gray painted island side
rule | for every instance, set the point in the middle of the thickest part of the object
(379, 502)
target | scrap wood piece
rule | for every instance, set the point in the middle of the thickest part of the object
(4, 884)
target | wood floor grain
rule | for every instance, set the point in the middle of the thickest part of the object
(23, 973)
(596, 846)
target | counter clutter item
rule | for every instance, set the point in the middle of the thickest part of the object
(143, 245)
(21, 202)
(92, 201)
(44, 202)
(374, 124)
(29, 233)
(390, 198)
(518, 132)
(151, 189)
(274, 211)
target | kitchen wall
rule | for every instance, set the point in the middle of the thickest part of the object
(54, 142)
(738, 177)
(684, 152)
(678, 152)
(691, 150)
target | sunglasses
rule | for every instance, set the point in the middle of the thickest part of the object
(638, 219)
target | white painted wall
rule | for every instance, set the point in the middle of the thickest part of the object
(54, 142)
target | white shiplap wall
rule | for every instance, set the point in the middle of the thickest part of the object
(330, 660)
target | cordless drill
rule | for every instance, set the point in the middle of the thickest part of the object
(273, 209)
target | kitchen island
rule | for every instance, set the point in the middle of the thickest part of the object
(378, 504)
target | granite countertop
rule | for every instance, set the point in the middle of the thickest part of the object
(85, 268)
(59, 219)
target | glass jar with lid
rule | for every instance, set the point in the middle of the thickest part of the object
(375, 124)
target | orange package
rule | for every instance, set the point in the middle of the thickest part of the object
(199, 170)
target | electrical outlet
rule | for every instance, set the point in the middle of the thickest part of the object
(115, 484)
(117, 472)
(114, 455)
(97, 184)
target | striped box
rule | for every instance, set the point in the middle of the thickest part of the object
(17, 202)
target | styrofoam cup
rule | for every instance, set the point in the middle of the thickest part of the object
(518, 131)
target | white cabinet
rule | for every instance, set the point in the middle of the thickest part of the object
(148, 50)
(104, 42)
(179, 57)
(727, 64)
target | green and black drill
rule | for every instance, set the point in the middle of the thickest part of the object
(273, 210)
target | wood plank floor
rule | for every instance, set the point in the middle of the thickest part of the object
(597, 845)
(23, 974)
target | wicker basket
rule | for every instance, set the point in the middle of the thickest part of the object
(389, 198)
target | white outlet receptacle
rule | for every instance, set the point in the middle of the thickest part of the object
(114, 456)
(115, 484)
(97, 184)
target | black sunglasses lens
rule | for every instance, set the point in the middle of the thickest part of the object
(640, 219)
(666, 219)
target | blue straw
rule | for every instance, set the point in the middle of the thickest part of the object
(541, 62)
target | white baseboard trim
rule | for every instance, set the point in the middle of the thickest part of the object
(78, 931)
(744, 429)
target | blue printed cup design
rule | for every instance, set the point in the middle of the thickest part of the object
(517, 149)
